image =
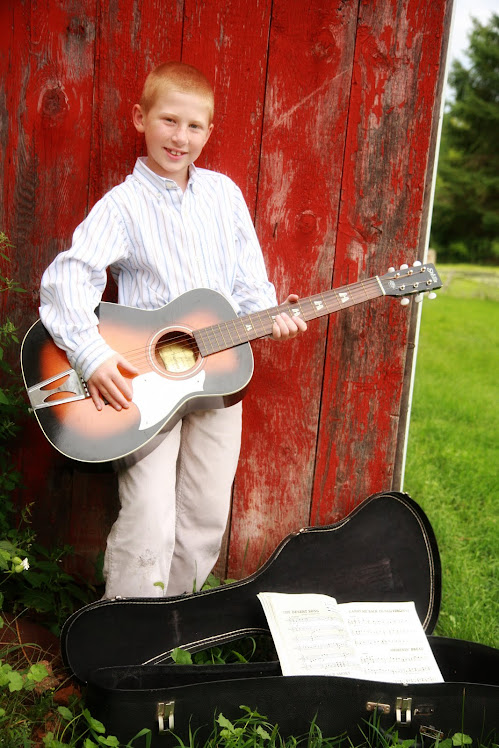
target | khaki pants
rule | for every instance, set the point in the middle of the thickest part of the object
(175, 498)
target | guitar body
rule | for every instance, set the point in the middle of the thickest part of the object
(168, 386)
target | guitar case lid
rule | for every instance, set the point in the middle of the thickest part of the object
(384, 551)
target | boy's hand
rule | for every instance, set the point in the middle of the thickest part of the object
(286, 327)
(107, 383)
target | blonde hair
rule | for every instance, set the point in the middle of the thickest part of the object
(176, 76)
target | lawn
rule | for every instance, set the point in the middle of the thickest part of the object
(452, 461)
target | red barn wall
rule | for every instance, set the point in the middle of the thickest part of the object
(326, 117)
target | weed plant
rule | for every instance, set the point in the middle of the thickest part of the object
(31, 576)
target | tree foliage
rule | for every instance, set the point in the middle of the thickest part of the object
(465, 223)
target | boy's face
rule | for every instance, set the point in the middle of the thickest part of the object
(176, 129)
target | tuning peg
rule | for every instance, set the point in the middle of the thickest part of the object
(419, 298)
(404, 266)
(405, 301)
(432, 295)
(416, 264)
(391, 270)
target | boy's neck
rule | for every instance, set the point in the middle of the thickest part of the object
(181, 180)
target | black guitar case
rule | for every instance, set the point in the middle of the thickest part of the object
(385, 550)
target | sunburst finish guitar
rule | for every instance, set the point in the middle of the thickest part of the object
(192, 354)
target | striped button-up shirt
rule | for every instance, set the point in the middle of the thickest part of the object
(158, 243)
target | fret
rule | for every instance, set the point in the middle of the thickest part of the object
(300, 310)
(250, 327)
(364, 289)
(323, 297)
(201, 338)
(319, 306)
(222, 336)
(272, 317)
(228, 325)
(303, 306)
(313, 308)
(343, 298)
(237, 323)
(265, 323)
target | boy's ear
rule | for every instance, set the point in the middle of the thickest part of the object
(210, 130)
(138, 118)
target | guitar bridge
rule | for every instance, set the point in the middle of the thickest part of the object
(40, 394)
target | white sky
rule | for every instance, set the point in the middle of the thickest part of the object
(464, 10)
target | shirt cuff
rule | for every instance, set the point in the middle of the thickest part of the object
(89, 356)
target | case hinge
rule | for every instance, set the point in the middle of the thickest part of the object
(403, 710)
(373, 706)
(165, 711)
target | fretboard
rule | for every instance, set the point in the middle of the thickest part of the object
(228, 334)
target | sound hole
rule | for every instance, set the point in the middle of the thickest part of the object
(176, 352)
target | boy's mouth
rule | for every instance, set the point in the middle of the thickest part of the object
(174, 153)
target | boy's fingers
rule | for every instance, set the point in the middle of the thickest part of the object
(129, 368)
(118, 392)
(285, 327)
(108, 385)
(95, 395)
(106, 394)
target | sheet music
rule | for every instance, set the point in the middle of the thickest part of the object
(314, 635)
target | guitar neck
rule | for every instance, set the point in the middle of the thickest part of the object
(228, 334)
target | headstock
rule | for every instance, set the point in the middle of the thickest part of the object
(418, 279)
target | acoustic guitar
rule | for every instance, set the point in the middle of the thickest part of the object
(194, 353)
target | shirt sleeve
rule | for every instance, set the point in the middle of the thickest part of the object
(252, 289)
(72, 287)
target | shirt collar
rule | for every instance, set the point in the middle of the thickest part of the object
(153, 181)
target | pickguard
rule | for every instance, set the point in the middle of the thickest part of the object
(156, 397)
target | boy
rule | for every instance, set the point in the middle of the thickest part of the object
(168, 228)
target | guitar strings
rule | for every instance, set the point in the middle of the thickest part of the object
(213, 334)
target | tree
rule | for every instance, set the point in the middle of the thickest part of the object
(465, 222)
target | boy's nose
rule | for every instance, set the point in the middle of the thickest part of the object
(180, 134)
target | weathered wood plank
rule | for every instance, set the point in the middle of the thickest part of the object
(308, 82)
(49, 103)
(49, 51)
(390, 123)
(228, 42)
(132, 39)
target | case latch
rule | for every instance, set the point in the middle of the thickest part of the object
(431, 732)
(165, 711)
(403, 710)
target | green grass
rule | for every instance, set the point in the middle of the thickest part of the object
(452, 461)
